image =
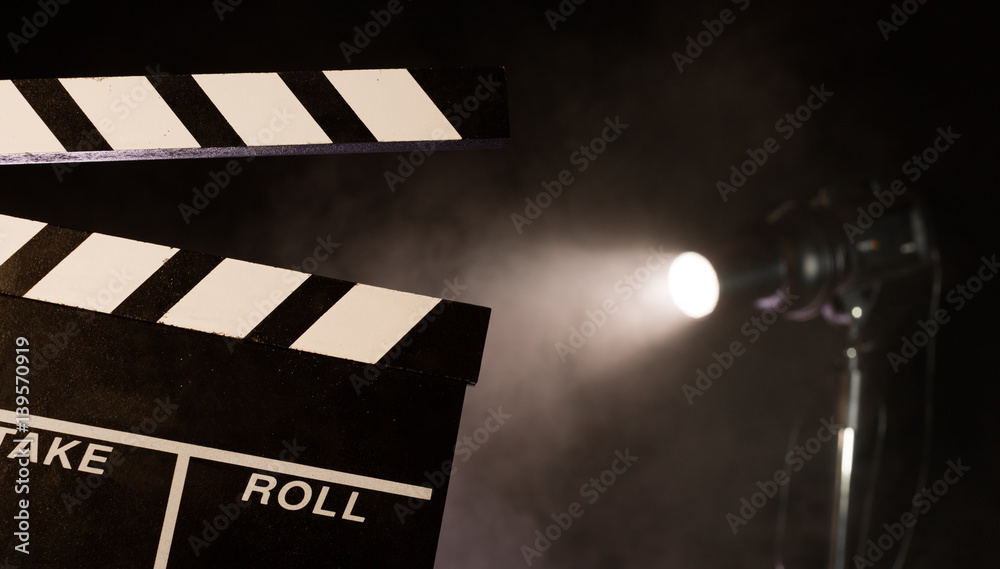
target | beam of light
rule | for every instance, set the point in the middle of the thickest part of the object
(693, 285)
(608, 304)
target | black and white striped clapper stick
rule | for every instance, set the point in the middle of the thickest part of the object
(240, 114)
(163, 408)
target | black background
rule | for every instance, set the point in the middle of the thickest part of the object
(653, 187)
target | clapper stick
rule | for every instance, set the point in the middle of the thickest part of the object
(238, 300)
(250, 114)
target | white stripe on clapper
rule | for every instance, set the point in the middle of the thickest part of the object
(365, 324)
(392, 105)
(14, 233)
(101, 273)
(21, 129)
(234, 298)
(129, 113)
(262, 109)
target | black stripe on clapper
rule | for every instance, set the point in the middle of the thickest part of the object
(196, 111)
(447, 342)
(299, 311)
(326, 105)
(37, 258)
(61, 114)
(473, 97)
(167, 286)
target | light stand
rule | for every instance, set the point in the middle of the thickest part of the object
(836, 252)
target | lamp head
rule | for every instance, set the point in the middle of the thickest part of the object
(817, 251)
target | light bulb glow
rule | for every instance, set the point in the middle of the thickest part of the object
(693, 285)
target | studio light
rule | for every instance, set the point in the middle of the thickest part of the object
(822, 251)
(835, 253)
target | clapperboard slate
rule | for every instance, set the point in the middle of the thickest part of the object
(163, 408)
(167, 386)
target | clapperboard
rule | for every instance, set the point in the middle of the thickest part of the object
(166, 408)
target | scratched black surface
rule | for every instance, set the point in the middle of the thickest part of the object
(115, 372)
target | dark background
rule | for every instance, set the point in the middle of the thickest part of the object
(653, 187)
